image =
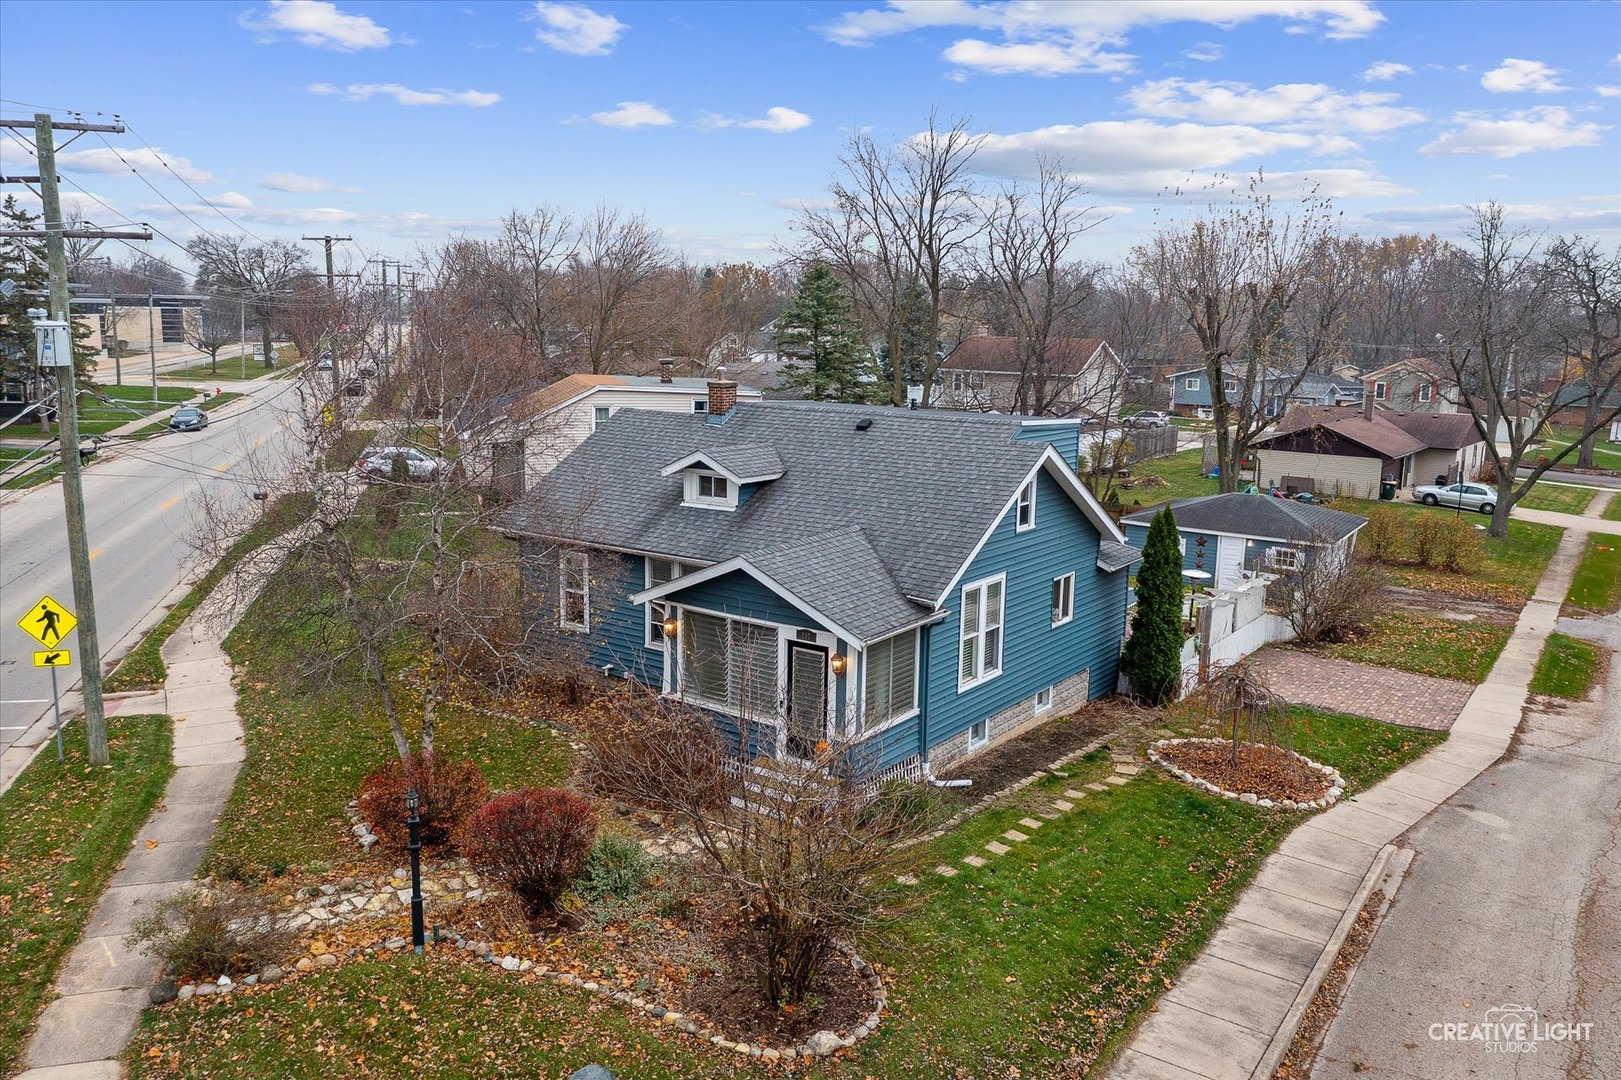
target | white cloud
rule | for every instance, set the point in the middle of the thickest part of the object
(633, 114)
(319, 24)
(1384, 71)
(1543, 128)
(1335, 183)
(296, 182)
(1060, 39)
(779, 119)
(232, 200)
(1297, 106)
(1206, 52)
(107, 160)
(576, 29)
(1523, 76)
(404, 95)
(1608, 91)
(1580, 212)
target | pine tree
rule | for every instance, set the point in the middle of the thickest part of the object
(821, 342)
(22, 262)
(1153, 655)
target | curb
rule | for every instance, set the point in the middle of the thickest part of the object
(1285, 1036)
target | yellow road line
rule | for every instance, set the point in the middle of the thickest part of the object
(94, 553)
(170, 503)
(222, 466)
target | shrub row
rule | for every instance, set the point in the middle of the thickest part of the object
(1438, 541)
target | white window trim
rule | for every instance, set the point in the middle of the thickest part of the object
(677, 569)
(700, 405)
(864, 730)
(1426, 393)
(976, 743)
(681, 691)
(1039, 707)
(1029, 489)
(563, 591)
(690, 496)
(1229, 386)
(1190, 384)
(594, 419)
(1381, 390)
(1273, 561)
(985, 674)
(1069, 616)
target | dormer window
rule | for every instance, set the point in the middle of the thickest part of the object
(709, 489)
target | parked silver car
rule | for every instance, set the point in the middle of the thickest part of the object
(378, 463)
(1468, 496)
(1146, 420)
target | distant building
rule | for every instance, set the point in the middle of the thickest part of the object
(986, 373)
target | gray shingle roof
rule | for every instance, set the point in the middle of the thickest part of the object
(842, 576)
(923, 486)
(1260, 516)
(1114, 556)
(747, 461)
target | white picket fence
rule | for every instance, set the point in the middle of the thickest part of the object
(1236, 622)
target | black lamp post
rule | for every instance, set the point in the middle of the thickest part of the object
(414, 846)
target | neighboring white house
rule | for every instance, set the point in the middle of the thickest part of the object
(986, 373)
(539, 428)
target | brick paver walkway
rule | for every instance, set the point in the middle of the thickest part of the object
(1396, 697)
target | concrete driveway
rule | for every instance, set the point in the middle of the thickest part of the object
(1513, 904)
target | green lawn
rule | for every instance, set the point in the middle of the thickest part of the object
(1606, 454)
(311, 740)
(1182, 476)
(1596, 588)
(1558, 498)
(1566, 668)
(63, 830)
(1428, 645)
(128, 403)
(1513, 564)
(36, 473)
(142, 667)
(231, 366)
(1034, 965)
(1612, 512)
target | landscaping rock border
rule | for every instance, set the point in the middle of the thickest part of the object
(1336, 781)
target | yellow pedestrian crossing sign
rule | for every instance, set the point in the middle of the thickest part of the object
(48, 622)
(53, 658)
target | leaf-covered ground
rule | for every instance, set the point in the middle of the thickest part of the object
(64, 827)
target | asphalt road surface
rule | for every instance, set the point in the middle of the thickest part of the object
(140, 505)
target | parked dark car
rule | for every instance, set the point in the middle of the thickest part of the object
(367, 370)
(188, 418)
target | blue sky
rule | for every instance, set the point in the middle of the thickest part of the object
(401, 122)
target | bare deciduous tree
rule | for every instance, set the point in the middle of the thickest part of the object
(616, 262)
(1586, 284)
(261, 275)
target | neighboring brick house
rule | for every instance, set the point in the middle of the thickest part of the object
(1417, 384)
(984, 373)
(913, 584)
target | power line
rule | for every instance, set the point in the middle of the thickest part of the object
(162, 160)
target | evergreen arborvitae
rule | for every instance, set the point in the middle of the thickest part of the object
(1153, 655)
(821, 342)
(22, 262)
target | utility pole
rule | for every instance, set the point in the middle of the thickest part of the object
(242, 335)
(118, 354)
(84, 598)
(151, 342)
(332, 294)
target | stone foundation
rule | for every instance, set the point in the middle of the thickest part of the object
(1014, 721)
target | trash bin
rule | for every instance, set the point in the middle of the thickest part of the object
(1387, 490)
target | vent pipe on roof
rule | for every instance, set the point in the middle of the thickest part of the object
(864, 423)
(1367, 404)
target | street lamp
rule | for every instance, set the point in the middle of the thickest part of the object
(413, 844)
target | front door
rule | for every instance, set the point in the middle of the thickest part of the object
(807, 698)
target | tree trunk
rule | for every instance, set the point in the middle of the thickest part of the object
(1505, 503)
(1590, 422)
(264, 339)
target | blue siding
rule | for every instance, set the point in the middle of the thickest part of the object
(1035, 654)
(617, 635)
(1254, 556)
(1066, 438)
(739, 594)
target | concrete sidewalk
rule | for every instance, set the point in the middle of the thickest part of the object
(103, 983)
(1229, 1015)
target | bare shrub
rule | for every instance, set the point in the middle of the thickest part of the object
(1385, 535)
(450, 792)
(1330, 599)
(1240, 704)
(202, 935)
(808, 852)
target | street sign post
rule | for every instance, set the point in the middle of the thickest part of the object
(48, 622)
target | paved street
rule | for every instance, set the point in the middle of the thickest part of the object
(1513, 899)
(139, 503)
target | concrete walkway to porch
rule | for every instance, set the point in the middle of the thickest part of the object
(103, 983)
(1233, 1012)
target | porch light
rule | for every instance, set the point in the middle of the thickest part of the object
(839, 663)
(670, 626)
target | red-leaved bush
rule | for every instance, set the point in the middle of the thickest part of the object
(534, 841)
(449, 793)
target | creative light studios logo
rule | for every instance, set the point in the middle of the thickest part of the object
(1511, 1029)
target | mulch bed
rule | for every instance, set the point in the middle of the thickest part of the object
(1268, 772)
(996, 768)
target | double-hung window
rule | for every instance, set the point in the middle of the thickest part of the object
(1426, 392)
(599, 415)
(980, 645)
(730, 664)
(1063, 599)
(891, 680)
(659, 571)
(1380, 391)
(574, 591)
(1190, 384)
(1025, 517)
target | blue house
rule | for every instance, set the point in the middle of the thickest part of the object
(914, 585)
(1191, 391)
(1236, 535)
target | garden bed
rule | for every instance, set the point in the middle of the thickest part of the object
(1264, 775)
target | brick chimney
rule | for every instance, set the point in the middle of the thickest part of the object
(1367, 404)
(722, 396)
(667, 370)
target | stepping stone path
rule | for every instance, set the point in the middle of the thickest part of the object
(1125, 767)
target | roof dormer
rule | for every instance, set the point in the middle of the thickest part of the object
(724, 477)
